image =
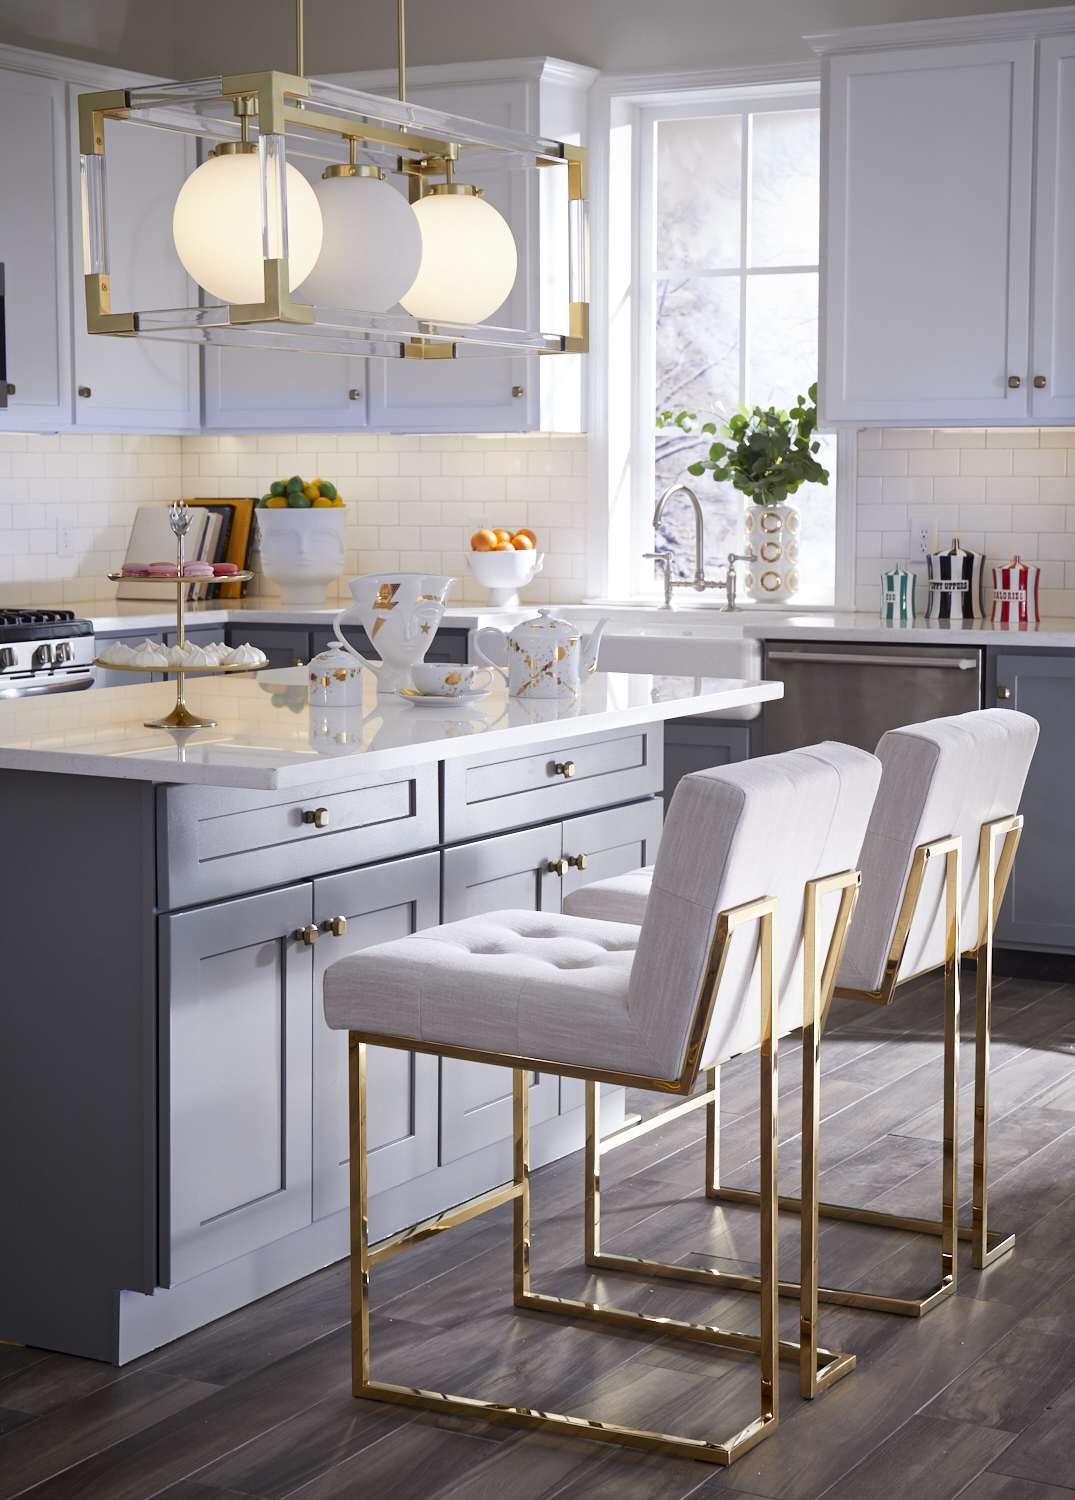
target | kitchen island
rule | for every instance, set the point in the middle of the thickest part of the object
(172, 1107)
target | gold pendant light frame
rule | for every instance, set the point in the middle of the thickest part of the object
(409, 139)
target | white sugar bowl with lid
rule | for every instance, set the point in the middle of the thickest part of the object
(545, 657)
(335, 680)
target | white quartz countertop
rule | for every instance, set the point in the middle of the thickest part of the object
(697, 620)
(269, 739)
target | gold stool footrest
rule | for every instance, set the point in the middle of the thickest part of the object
(547, 1421)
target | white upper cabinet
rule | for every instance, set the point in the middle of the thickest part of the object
(926, 237)
(125, 384)
(33, 249)
(1052, 394)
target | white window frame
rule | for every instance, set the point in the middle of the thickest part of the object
(622, 399)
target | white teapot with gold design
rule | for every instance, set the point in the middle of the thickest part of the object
(545, 657)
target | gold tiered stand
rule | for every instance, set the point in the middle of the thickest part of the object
(180, 717)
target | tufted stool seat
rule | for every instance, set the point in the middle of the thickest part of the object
(748, 914)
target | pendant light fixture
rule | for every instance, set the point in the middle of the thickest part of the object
(251, 230)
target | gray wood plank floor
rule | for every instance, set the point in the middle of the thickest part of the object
(977, 1399)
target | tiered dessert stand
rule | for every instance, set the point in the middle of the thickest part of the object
(179, 518)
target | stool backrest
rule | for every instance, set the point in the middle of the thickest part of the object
(939, 778)
(732, 835)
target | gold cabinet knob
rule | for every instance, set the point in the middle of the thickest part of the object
(305, 935)
(1014, 382)
(580, 861)
(558, 867)
(336, 925)
(318, 816)
(1003, 692)
(566, 769)
(1039, 382)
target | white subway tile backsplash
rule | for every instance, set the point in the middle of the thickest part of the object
(413, 501)
(1001, 490)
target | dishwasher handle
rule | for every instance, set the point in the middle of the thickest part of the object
(957, 664)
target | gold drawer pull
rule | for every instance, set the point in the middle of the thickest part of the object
(566, 769)
(306, 935)
(580, 861)
(318, 816)
(336, 925)
(1039, 382)
(559, 867)
(1003, 692)
(1014, 382)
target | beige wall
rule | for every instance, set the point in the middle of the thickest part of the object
(196, 38)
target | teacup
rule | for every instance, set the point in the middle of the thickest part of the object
(449, 679)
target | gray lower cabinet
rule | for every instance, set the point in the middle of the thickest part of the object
(1038, 910)
(236, 998)
(699, 744)
(378, 904)
(512, 872)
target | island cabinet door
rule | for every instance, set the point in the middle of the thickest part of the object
(1039, 906)
(377, 904)
(235, 1126)
(513, 872)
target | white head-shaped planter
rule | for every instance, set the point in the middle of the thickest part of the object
(302, 551)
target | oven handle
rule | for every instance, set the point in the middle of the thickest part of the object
(959, 664)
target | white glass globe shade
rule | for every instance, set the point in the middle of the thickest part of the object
(468, 260)
(372, 246)
(217, 228)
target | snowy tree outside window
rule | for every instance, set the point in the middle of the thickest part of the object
(733, 275)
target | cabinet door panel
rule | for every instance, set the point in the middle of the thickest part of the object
(382, 903)
(236, 1011)
(1054, 235)
(497, 874)
(926, 286)
(136, 385)
(1038, 909)
(33, 248)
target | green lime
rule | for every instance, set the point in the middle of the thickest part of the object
(263, 502)
(327, 489)
(278, 487)
(298, 501)
(294, 485)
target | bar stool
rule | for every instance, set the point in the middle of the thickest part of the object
(946, 784)
(647, 1008)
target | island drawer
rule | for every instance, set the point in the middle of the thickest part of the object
(220, 841)
(494, 792)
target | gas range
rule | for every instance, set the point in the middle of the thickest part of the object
(44, 651)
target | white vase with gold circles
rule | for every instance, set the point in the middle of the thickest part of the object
(771, 534)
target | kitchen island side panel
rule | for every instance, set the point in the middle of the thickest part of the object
(77, 1057)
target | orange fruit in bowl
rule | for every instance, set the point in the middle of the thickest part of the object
(502, 535)
(523, 531)
(503, 547)
(522, 543)
(483, 541)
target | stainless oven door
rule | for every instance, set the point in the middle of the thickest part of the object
(854, 693)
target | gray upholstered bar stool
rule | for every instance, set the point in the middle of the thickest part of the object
(647, 1008)
(948, 785)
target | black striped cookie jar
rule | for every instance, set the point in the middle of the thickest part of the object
(955, 584)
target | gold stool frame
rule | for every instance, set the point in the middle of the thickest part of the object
(991, 888)
(818, 1367)
(767, 1344)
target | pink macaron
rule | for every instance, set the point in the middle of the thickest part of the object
(135, 570)
(197, 570)
(162, 570)
(224, 570)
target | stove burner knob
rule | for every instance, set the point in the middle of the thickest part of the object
(62, 653)
(42, 656)
(7, 656)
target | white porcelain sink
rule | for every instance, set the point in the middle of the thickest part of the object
(683, 648)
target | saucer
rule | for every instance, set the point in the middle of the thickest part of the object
(441, 700)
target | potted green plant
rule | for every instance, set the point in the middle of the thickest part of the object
(767, 455)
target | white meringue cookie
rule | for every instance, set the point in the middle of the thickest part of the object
(218, 651)
(178, 656)
(150, 655)
(200, 657)
(116, 653)
(245, 655)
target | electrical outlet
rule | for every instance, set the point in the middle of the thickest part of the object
(921, 538)
(65, 540)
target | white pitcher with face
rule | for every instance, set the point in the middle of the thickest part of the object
(400, 612)
(545, 657)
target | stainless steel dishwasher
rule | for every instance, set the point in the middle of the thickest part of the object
(854, 693)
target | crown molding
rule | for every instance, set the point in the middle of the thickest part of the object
(554, 70)
(1026, 24)
(647, 88)
(71, 69)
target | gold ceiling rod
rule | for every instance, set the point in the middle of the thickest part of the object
(300, 44)
(401, 33)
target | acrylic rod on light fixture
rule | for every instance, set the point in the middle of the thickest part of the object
(402, 48)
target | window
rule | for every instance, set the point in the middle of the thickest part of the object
(726, 300)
